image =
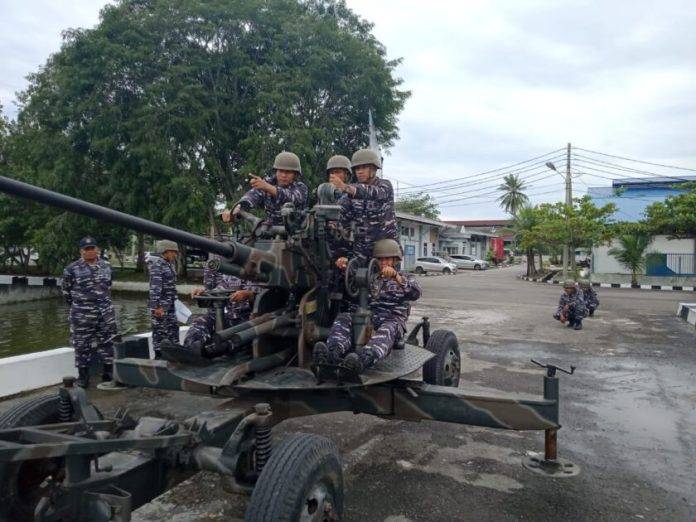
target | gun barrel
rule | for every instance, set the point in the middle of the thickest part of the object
(54, 199)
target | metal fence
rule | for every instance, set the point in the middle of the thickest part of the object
(670, 264)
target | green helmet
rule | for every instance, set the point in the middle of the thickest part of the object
(366, 157)
(287, 161)
(338, 162)
(164, 244)
(584, 283)
(569, 283)
(386, 248)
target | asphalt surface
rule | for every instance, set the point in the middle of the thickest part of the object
(628, 416)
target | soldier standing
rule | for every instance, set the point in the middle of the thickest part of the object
(274, 191)
(390, 311)
(590, 296)
(86, 287)
(367, 206)
(571, 306)
(339, 168)
(163, 294)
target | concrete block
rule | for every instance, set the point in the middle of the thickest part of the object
(30, 371)
(687, 311)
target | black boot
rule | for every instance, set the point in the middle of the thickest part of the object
(578, 324)
(359, 363)
(320, 353)
(107, 372)
(591, 312)
(83, 377)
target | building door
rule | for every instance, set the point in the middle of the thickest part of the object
(409, 257)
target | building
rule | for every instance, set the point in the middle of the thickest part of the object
(665, 257)
(458, 240)
(419, 236)
(481, 230)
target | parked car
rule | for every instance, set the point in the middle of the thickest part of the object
(434, 264)
(469, 262)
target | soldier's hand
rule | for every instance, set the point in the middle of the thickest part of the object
(197, 291)
(563, 318)
(227, 216)
(389, 272)
(258, 183)
(337, 182)
(158, 312)
(242, 295)
(342, 263)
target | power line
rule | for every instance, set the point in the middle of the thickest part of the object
(533, 178)
(635, 160)
(454, 203)
(593, 161)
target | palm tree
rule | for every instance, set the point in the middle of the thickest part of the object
(631, 254)
(525, 221)
(513, 198)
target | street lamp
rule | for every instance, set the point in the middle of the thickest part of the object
(551, 166)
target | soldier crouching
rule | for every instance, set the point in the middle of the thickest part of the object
(571, 306)
(390, 310)
(590, 297)
(163, 295)
(86, 287)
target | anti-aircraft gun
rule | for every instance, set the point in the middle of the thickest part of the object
(61, 459)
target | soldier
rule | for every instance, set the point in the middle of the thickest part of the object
(163, 294)
(571, 306)
(87, 289)
(367, 206)
(237, 311)
(590, 296)
(273, 192)
(339, 168)
(390, 310)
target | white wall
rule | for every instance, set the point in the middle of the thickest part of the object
(603, 263)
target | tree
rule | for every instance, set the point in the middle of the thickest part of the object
(525, 227)
(165, 105)
(675, 216)
(631, 254)
(513, 197)
(418, 204)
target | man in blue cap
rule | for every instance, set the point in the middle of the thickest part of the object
(87, 289)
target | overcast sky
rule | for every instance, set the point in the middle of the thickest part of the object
(493, 83)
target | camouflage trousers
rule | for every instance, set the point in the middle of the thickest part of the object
(201, 330)
(385, 334)
(90, 325)
(165, 327)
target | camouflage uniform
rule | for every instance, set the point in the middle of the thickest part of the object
(295, 193)
(390, 312)
(576, 307)
(87, 289)
(203, 327)
(371, 215)
(163, 294)
(591, 299)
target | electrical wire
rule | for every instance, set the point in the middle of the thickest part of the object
(533, 178)
(635, 160)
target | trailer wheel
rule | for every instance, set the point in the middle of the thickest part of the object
(444, 368)
(20, 483)
(302, 481)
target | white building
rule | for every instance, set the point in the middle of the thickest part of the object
(419, 237)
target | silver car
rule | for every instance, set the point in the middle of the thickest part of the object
(469, 262)
(434, 264)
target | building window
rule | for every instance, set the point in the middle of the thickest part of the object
(425, 249)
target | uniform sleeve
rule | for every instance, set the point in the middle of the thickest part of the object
(579, 303)
(412, 290)
(155, 284)
(561, 304)
(253, 198)
(67, 285)
(296, 194)
(380, 191)
(210, 279)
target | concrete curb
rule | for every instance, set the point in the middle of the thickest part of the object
(687, 311)
(618, 285)
(15, 280)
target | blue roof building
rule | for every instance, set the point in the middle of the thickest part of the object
(633, 195)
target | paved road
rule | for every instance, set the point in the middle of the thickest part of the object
(628, 417)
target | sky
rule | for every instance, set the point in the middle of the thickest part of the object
(493, 84)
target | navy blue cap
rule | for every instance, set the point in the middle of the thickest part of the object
(88, 241)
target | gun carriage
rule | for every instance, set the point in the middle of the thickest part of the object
(61, 459)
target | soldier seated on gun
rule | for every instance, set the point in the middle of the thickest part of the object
(236, 311)
(274, 191)
(590, 296)
(571, 306)
(390, 310)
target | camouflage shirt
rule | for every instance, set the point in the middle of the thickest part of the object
(295, 193)
(575, 303)
(371, 215)
(590, 297)
(392, 303)
(234, 311)
(162, 283)
(85, 284)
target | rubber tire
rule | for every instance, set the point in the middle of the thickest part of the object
(446, 271)
(419, 270)
(477, 267)
(441, 342)
(295, 465)
(32, 412)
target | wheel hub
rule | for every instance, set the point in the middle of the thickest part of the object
(319, 505)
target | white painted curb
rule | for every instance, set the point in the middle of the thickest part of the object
(687, 311)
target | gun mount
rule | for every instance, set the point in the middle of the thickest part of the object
(60, 459)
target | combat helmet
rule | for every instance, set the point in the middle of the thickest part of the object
(386, 248)
(287, 161)
(366, 157)
(339, 162)
(164, 244)
(569, 283)
(584, 283)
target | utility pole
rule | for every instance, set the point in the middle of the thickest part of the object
(569, 204)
